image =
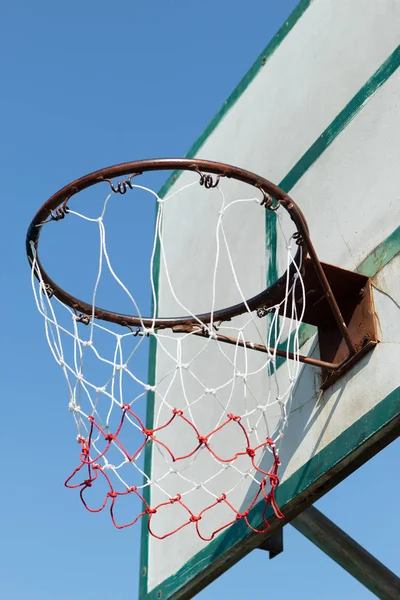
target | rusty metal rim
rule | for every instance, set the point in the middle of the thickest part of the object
(56, 207)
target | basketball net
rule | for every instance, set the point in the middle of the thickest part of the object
(214, 442)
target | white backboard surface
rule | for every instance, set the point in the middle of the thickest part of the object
(319, 115)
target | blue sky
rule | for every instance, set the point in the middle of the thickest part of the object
(86, 85)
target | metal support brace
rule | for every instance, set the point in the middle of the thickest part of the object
(274, 544)
(348, 554)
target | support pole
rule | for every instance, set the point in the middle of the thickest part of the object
(348, 554)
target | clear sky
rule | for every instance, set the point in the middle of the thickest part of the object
(85, 85)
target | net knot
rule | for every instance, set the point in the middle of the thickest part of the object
(232, 417)
(112, 494)
(85, 446)
(175, 498)
(87, 483)
(110, 437)
(274, 480)
(149, 388)
(85, 450)
(210, 391)
(203, 439)
(242, 515)
(270, 442)
(221, 498)
(194, 518)
(91, 418)
(176, 411)
(131, 489)
(251, 452)
(125, 407)
(150, 511)
(148, 432)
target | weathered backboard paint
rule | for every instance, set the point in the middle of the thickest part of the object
(318, 114)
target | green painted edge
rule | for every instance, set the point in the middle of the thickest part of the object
(238, 91)
(271, 252)
(271, 247)
(382, 254)
(344, 445)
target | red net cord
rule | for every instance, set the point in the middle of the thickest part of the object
(89, 472)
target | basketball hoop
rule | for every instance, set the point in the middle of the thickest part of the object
(340, 301)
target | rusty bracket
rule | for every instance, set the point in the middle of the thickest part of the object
(353, 299)
(353, 295)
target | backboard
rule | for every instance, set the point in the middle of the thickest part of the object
(318, 114)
